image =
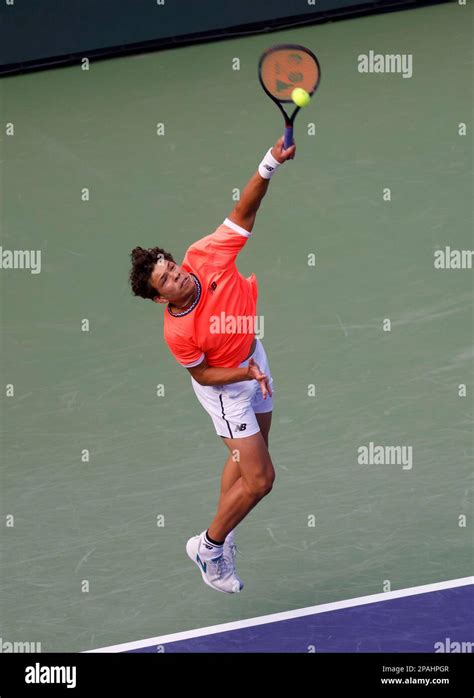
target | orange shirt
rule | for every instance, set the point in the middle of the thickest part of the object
(220, 324)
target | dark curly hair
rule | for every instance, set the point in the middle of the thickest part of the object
(143, 263)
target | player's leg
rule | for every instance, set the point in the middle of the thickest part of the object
(256, 480)
(231, 471)
(264, 420)
(207, 550)
(247, 476)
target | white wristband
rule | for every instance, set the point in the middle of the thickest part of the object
(268, 166)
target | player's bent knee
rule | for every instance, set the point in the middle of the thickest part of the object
(261, 486)
(270, 481)
(272, 477)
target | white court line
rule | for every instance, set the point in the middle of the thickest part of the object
(286, 615)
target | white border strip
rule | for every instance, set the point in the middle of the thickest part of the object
(237, 228)
(195, 363)
(286, 615)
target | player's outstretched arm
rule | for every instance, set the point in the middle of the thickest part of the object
(245, 210)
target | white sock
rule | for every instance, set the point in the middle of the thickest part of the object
(230, 537)
(209, 551)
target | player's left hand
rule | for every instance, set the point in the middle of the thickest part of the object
(280, 153)
(254, 372)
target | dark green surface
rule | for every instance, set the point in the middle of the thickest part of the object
(33, 31)
(150, 455)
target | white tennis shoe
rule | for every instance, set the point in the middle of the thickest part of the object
(218, 573)
(230, 551)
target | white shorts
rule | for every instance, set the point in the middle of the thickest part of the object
(233, 406)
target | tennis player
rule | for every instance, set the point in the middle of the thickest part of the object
(210, 328)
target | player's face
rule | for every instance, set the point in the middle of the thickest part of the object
(172, 282)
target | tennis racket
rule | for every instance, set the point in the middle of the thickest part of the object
(282, 68)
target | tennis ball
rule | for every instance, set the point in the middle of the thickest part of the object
(300, 97)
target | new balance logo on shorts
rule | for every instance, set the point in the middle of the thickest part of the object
(241, 427)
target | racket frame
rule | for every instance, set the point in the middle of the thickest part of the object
(289, 120)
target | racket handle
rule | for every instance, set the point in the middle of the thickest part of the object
(288, 137)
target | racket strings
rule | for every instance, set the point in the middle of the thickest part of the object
(283, 69)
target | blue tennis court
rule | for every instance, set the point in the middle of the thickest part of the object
(435, 618)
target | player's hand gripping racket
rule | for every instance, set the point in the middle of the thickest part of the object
(281, 69)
